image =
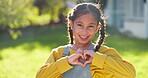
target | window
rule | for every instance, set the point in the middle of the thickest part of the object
(138, 8)
(134, 8)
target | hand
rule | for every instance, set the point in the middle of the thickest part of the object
(74, 58)
(88, 54)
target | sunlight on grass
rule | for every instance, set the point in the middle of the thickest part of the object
(140, 63)
(17, 62)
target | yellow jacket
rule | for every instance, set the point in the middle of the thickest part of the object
(107, 63)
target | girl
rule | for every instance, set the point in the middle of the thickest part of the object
(81, 58)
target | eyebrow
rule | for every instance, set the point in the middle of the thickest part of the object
(78, 22)
(93, 23)
(82, 23)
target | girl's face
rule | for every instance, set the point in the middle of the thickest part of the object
(84, 28)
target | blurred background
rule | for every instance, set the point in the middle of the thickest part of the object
(30, 29)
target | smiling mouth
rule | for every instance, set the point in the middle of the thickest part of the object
(83, 37)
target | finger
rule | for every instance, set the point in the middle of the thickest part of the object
(79, 63)
(80, 50)
(80, 56)
(88, 61)
(86, 55)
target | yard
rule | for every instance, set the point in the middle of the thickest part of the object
(21, 58)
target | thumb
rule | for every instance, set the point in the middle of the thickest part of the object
(79, 63)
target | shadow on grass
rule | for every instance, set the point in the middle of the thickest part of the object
(49, 35)
(54, 36)
(126, 44)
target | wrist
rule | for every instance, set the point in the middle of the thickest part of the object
(69, 60)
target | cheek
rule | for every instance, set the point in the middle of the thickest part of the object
(92, 34)
(93, 31)
(76, 31)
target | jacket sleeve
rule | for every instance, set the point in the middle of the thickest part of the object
(111, 61)
(54, 67)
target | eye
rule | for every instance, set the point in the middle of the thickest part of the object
(91, 26)
(79, 25)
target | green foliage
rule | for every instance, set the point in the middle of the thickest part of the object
(40, 19)
(13, 13)
(15, 34)
(16, 14)
(56, 7)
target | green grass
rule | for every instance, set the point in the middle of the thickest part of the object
(21, 58)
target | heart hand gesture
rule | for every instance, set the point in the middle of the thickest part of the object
(86, 54)
(74, 59)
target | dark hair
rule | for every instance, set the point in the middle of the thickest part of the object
(85, 8)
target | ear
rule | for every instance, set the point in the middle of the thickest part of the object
(98, 28)
(71, 24)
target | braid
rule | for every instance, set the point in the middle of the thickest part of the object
(70, 35)
(70, 32)
(102, 35)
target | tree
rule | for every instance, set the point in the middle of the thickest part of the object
(53, 7)
(14, 14)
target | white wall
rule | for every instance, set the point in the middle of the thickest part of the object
(137, 28)
(146, 16)
(136, 24)
(109, 12)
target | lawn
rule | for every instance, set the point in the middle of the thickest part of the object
(21, 58)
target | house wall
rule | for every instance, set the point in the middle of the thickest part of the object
(130, 17)
(114, 14)
(146, 16)
(110, 13)
(135, 28)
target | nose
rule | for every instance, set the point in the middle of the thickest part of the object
(84, 31)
